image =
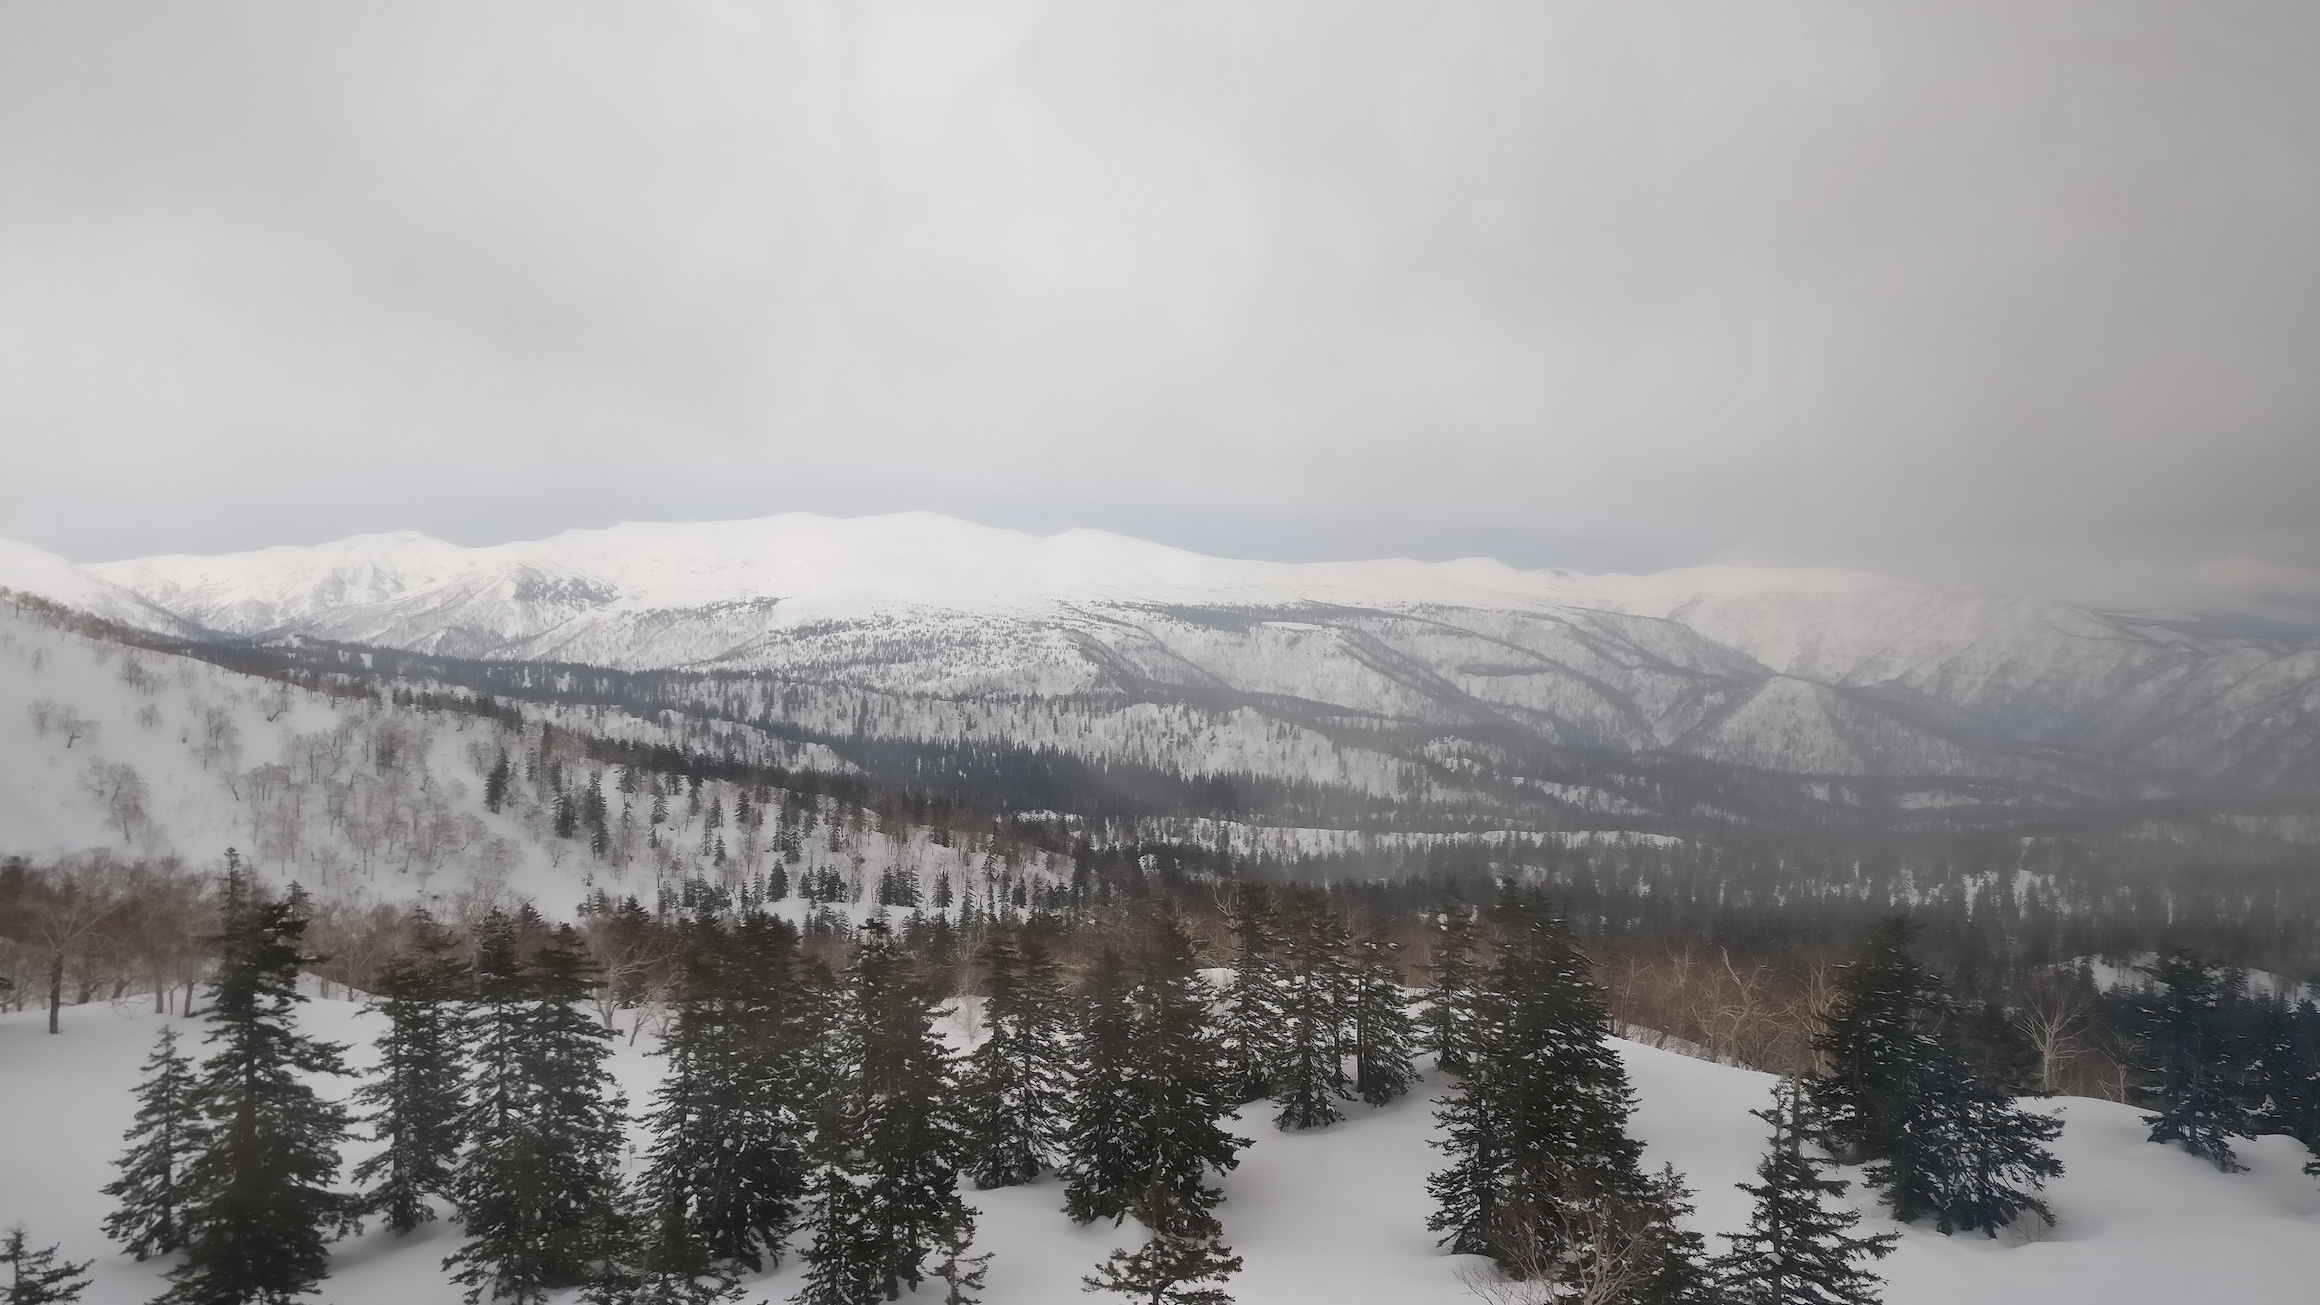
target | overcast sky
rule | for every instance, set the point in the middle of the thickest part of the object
(2015, 291)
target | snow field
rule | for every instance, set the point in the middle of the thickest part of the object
(1335, 1217)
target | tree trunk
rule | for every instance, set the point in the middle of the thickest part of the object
(55, 987)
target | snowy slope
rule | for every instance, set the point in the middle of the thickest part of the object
(1793, 672)
(1333, 1217)
(362, 800)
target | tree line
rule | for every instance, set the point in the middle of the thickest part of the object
(811, 1106)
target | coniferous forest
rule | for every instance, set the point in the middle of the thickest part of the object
(814, 1107)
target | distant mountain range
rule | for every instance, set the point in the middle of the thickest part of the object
(1539, 697)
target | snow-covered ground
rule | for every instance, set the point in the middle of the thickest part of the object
(363, 800)
(1329, 1218)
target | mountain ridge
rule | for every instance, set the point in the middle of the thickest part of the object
(1808, 674)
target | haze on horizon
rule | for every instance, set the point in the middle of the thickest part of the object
(2014, 294)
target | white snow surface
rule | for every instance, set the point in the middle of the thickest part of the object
(835, 568)
(295, 781)
(1335, 1217)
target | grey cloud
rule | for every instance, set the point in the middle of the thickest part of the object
(1972, 291)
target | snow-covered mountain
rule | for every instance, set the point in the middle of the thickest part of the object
(1904, 694)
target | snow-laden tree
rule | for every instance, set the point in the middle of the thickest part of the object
(1015, 1095)
(1797, 1250)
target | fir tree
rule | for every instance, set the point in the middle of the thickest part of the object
(1448, 1027)
(495, 784)
(162, 1143)
(258, 1195)
(888, 1182)
(1150, 1099)
(657, 1257)
(1309, 1076)
(1101, 1173)
(416, 1096)
(1882, 1028)
(1969, 1158)
(2288, 1068)
(1252, 1025)
(1186, 1248)
(537, 1188)
(1383, 1032)
(729, 1121)
(962, 1274)
(2189, 1064)
(1542, 1173)
(1943, 1142)
(1015, 1094)
(36, 1276)
(1797, 1251)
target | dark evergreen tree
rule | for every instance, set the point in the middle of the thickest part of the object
(2189, 1063)
(538, 1187)
(1797, 1250)
(257, 1195)
(1448, 1027)
(1186, 1248)
(961, 1273)
(162, 1144)
(1251, 1028)
(1943, 1142)
(2288, 1069)
(1103, 1154)
(36, 1276)
(1383, 1032)
(1149, 1100)
(416, 1096)
(1543, 1177)
(730, 1118)
(1883, 1027)
(887, 1187)
(495, 784)
(1016, 1093)
(1309, 1077)
(1969, 1158)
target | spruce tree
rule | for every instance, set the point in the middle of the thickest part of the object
(416, 1096)
(1942, 1141)
(2288, 1069)
(1252, 1025)
(495, 784)
(167, 1135)
(1542, 1173)
(1383, 1032)
(538, 1187)
(730, 1119)
(961, 1273)
(1882, 1028)
(1447, 1029)
(1102, 1171)
(1186, 1248)
(1016, 1092)
(257, 1195)
(1150, 1098)
(1797, 1250)
(2189, 1064)
(1968, 1157)
(36, 1276)
(1309, 1076)
(888, 1147)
